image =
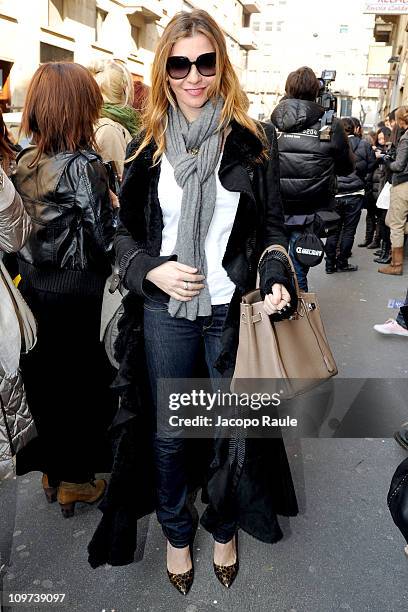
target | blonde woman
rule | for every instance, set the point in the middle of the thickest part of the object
(199, 203)
(119, 121)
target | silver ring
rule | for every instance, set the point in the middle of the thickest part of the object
(185, 285)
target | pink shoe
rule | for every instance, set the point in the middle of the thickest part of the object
(391, 327)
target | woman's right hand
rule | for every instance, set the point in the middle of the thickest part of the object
(173, 277)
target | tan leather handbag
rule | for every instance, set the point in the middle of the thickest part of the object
(294, 352)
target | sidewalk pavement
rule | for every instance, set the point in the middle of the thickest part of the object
(342, 552)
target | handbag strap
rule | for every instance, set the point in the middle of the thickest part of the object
(281, 249)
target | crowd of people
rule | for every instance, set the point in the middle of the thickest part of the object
(184, 194)
(348, 173)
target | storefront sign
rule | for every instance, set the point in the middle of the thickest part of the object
(378, 82)
(386, 7)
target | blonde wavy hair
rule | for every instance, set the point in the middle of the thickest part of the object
(226, 84)
(114, 81)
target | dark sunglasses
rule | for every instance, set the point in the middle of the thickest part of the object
(178, 66)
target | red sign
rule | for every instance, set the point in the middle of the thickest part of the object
(380, 82)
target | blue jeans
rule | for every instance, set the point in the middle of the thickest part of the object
(349, 209)
(172, 348)
(300, 269)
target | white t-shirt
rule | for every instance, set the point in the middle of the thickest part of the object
(170, 195)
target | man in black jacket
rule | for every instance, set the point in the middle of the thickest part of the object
(349, 202)
(308, 165)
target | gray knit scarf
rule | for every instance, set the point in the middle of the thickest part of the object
(194, 150)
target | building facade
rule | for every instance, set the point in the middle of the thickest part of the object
(37, 31)
(313, 33)
(391, 32)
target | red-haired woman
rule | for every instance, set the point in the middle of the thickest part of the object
(63, 266)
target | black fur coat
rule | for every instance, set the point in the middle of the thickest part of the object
(263, 488)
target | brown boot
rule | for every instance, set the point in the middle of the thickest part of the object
(397, 259)
(50, 492)
(88, 492)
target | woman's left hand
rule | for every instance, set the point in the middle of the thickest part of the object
(278, 299)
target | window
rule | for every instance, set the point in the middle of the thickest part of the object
(345, 107)
(344, 29)
(279, 25)
(5, 95)
(255, 26)
(269, 26)
(100, 18)
(50, 53)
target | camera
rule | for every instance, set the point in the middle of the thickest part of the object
(325, 97)
(329, 102)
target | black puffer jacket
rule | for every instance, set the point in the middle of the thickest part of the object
(308, 167)
(379, 179)
(67, 198)
(365, 162)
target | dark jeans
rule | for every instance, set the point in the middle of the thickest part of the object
(172, 350)
(349, 209)
(300, 269)
(400, 317)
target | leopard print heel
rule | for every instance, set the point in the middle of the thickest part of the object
(182, 582)
(226, 574)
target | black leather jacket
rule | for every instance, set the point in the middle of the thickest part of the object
(67, 197)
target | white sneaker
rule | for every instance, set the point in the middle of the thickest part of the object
(391, 327)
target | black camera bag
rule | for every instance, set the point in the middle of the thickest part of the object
(325, 223)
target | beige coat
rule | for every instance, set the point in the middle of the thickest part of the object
(112, 139)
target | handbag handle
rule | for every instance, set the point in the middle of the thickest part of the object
(281, 249)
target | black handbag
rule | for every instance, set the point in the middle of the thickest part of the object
(397, 498)
(325, 223)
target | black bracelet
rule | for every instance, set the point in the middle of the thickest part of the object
(278, 256)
